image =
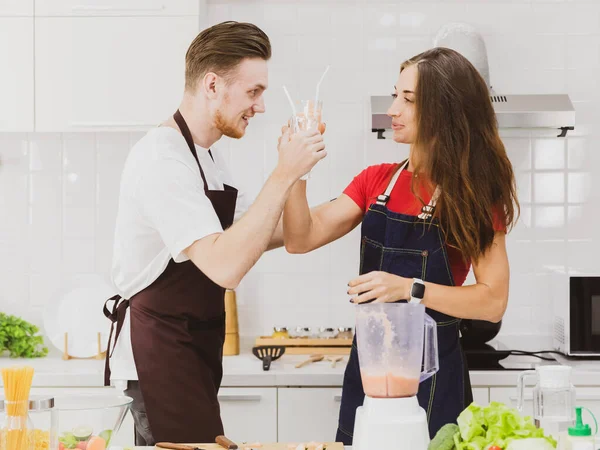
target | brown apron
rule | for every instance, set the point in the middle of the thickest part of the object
(177, 335)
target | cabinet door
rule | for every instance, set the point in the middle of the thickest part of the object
(16, 78)
(124, 438)
(588, 397)
(249, 414)
(109, 73)
(16, 8)
(481, 396)
(308, 414)
(116, 7)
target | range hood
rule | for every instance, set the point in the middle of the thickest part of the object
(553, 111)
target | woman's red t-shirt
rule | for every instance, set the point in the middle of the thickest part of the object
(373, 181)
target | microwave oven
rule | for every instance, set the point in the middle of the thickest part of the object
(577, 323)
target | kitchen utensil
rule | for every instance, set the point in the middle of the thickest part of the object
(553, 398)
(172, 446)
(232, 336)
(226, 443)
(394, 341)
(268, 354)
(310, 360)
(334, 360)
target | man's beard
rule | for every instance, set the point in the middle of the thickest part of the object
(226, 128)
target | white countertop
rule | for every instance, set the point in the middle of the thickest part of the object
(245, 370)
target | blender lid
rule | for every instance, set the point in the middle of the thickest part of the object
(35, 403)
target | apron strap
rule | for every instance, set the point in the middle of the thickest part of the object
(187, 134)
(426, 211)
(117, 315)
(383, 198)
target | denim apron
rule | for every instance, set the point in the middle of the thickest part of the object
(409, 247)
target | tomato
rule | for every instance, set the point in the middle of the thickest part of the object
(82, 445)
(61, 446)
(494, 447)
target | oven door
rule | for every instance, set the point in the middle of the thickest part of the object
(584, 316)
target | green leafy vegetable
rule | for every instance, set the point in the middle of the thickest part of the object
(495, 425)
(444, 439)
(20, 338)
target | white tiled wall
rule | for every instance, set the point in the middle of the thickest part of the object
(58, 192)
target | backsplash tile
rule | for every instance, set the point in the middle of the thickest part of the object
(59, 192)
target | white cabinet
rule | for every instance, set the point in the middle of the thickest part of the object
(16, 8)
(116, 7)
(124, 438)
(249, 414)
(308, 414)
(16, 76)
(481, 396)
(109, 73)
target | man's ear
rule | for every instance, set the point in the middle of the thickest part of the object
(209, 84)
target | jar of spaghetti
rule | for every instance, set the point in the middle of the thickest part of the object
(28, 425)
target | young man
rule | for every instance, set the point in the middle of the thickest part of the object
(176, 246)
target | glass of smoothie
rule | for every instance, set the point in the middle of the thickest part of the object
(308, 117)
(397, 348)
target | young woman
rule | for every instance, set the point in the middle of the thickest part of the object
(425, 221)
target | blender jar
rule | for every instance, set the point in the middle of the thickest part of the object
(395, 340)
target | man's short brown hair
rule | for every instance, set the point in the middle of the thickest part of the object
(221, 48)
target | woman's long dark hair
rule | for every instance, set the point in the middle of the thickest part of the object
(458, 146)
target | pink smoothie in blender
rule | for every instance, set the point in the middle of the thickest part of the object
(397, 349)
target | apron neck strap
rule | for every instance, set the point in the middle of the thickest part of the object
(427, 210)
(383, 198)
(187, 134)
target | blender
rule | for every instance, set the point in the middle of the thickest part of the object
(553, 398)
(397, 350)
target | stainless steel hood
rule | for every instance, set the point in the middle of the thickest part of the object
(512, 111)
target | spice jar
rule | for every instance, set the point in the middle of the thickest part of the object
(303, 332)
(280, 333)
(345, 333)
(327, 333)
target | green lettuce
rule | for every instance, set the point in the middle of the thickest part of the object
(494, 425)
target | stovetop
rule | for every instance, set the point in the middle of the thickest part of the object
(496, 356)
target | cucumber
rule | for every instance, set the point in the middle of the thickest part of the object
(82, 432)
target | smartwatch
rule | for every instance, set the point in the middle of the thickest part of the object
(417, 291)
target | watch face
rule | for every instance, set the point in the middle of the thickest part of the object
(417, 290)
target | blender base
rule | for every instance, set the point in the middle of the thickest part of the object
(391, 424)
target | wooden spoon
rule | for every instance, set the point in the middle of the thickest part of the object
(312, 359)
(334, 360)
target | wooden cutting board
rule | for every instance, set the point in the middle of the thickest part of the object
(278, 446)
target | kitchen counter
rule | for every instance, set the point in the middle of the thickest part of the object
(246, 370)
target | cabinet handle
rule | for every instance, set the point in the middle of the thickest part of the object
(110, 124)
(103, 8)
(240, 398)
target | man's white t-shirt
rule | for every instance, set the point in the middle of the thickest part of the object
(162, 210)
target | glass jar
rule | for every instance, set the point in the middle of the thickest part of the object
(280, 333)
(345, 333)
(28, 425)
(327, 333)
(303, 332)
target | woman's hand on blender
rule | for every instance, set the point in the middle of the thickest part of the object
(379, 287)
